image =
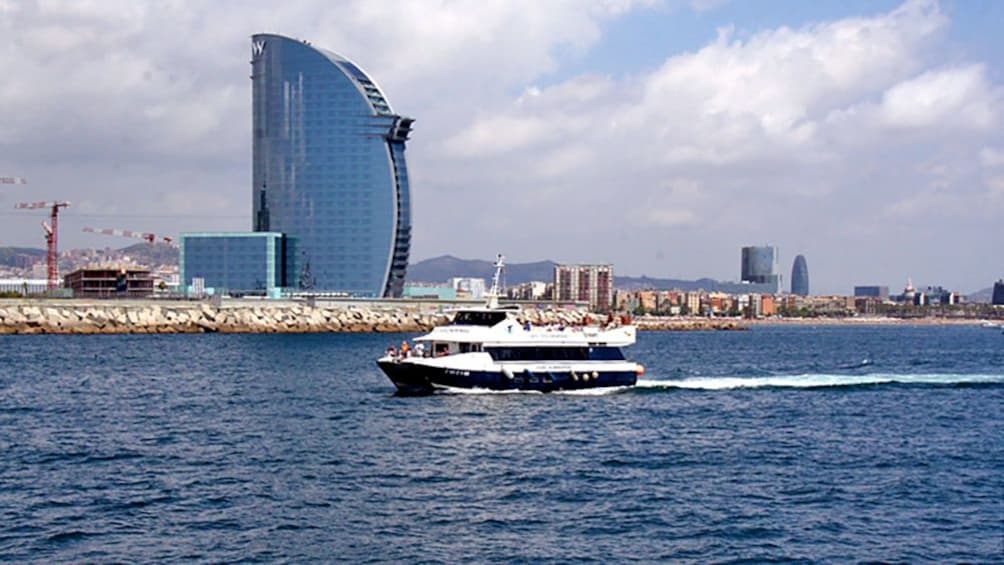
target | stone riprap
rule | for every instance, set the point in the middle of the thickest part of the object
(143, 317)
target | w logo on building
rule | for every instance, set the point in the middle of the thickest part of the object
(257, 48)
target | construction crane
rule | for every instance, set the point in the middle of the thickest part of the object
(149, 237)
(13, 180)
(51, 236)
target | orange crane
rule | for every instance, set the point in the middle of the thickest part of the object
(51, 235)
(149, 237)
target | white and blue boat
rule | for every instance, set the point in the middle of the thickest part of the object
(488, 348)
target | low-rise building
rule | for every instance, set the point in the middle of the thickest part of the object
(237, 262)
(430, 291)
(24, 287)
(110, 281)
(872, 291)
(468, 287)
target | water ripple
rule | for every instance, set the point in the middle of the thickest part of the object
(775, 445)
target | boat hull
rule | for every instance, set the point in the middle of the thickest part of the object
(417, 378)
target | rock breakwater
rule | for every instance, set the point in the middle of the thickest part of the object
(147, 317)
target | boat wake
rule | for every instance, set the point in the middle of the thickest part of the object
(731, 383)
(482, 391)
(598, 391)
(817, 381)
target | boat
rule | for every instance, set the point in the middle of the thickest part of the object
(488, 348)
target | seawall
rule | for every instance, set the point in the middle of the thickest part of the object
(156, 316)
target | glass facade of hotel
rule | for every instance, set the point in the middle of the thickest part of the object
(329, 170)
(245, 263)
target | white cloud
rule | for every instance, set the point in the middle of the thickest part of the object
(789, 135)
(952, 98)
(792, 135)
(992, 157)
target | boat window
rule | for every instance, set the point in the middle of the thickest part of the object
(555, 353)
(606, 354)
(478, 318)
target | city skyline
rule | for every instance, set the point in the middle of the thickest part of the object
(657, 136)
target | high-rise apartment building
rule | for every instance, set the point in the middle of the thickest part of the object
(760, 266)
(800, 277)
(329, 170)
(585, 283)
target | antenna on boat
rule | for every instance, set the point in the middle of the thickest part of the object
(493, 294)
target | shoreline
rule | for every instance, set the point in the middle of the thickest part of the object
(875, 321)
(82, 317)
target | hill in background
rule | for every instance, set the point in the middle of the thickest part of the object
(442, 269)
(152, 254)
(143, 253)
(981, 296)
(9, 255)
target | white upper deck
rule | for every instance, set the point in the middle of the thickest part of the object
(509, 332)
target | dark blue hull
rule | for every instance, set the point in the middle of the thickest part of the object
(410, 378)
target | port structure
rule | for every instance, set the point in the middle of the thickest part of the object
(147, 236)
(51, 236)
(13, 180)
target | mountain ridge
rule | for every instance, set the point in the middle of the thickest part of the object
(440, 269)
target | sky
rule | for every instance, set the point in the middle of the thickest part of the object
(660, 136)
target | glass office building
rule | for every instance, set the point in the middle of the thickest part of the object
(759, 266)
(329, 170)
(235, 263)
(800, 277)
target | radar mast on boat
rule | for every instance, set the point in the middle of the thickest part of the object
(497, 284)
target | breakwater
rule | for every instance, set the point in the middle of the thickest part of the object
(153, 316)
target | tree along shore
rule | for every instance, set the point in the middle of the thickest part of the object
(145, 317)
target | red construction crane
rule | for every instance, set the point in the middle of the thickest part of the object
(149, 237)
(51, 236)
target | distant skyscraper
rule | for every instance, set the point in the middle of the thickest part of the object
(759, 266)
(800, 277)
(998, 296)
(329, 170)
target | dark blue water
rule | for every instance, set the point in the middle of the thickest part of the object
(294, 448)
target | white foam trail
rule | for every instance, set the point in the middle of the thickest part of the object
(598, 391)
(480, 391)
(810, 381)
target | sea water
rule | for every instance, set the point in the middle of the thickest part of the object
(776, 444)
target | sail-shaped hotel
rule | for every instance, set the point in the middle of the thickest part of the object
(329, 178)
